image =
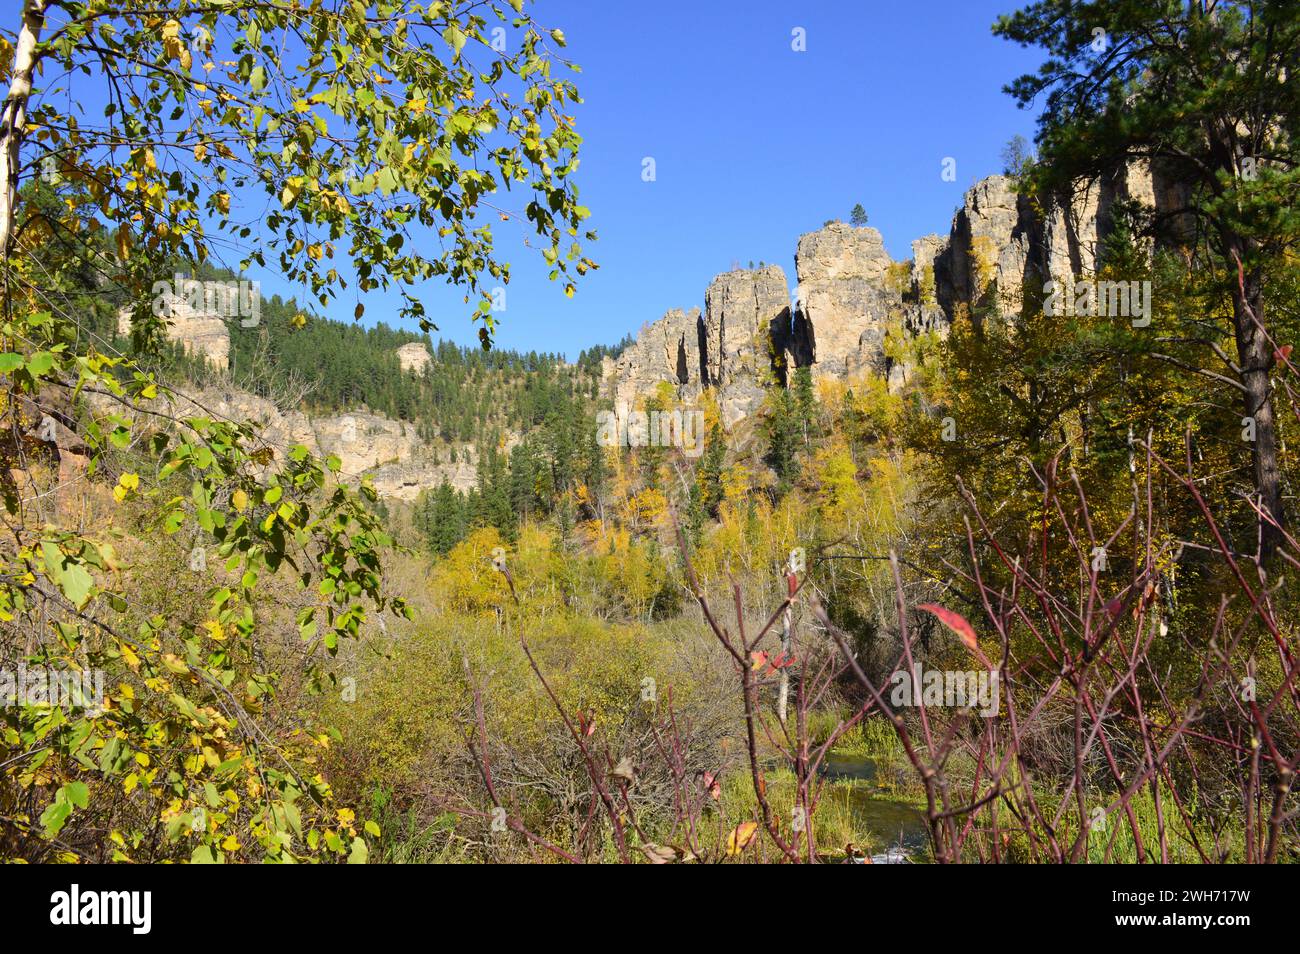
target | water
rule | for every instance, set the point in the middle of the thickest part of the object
(898, 829)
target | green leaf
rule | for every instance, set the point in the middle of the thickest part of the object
(202, 855)
(76, 584)
(455, 38)
(359, 852)
(55, 815)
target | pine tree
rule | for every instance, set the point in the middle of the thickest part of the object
(805, 406)
(784, 433)
(1209, 98)
(707, 490)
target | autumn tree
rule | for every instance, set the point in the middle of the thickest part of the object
(345, 146)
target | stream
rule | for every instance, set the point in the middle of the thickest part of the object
(898, 827)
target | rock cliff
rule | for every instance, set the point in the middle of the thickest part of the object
(669, 349)
(200, 333)
(399, 463)
(414, 356)
(746, 322)
(850, 296)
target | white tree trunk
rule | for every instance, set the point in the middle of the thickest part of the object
(13, 121)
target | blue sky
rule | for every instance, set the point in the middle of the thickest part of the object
(754, 144)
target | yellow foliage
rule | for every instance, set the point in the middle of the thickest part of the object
(736, 483)
(465, 580)
(836, 473)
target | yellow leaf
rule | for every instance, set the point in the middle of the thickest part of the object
(741, 836)
(125, 484)
(129, 656)
(289, 195)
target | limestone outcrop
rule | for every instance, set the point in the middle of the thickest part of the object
(414, 356)
(399, 463)
(201, 333)
(746, 322)
(849, 289)
(988, 248)
(666, 350)
(734, 346)
(851, 297)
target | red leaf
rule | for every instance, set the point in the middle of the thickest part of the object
(712, 785)
(955, 622)
(1283, 353)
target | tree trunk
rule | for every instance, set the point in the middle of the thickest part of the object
(13, 120)
(1255, 356)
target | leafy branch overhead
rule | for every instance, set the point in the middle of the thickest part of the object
(378, 144)
(369, 145)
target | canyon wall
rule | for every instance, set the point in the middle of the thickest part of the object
(399, 463)
(850, 297)
(200, 333)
